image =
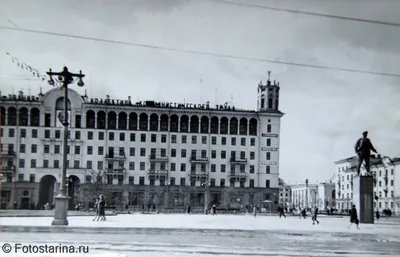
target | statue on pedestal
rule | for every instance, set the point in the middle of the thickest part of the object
(363, 149)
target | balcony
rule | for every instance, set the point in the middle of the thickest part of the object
(238, 175)
(116, 172)
(198, 159)
(8, 154)
(198, 175)
(8, 168)
(238, 160)
(157, 174)
(115, 157)
(158, 158)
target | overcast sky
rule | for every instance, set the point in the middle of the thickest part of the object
(325, 111)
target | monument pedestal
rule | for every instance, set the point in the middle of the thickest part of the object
(60, 211)
(363, 198)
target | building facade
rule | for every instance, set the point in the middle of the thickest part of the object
(141, 154)
(326, 195)
(304, 195)
(386, 182)
(284, 194)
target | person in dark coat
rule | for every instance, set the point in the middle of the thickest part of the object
(281, 211)
(188, 210)
(102, 208)
(314, 215)
(354, 217)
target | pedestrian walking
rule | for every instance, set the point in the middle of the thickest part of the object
(214, 210)
(102, 209)
(96, 209)
(281, 211)
(354, 216)
(188, 210)
(255, 211)
(314, 215)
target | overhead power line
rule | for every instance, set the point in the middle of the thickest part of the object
(196, 52)
(308, 13)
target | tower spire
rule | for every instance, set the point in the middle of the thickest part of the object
(269, 75)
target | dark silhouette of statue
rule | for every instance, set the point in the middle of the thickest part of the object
(363, 149)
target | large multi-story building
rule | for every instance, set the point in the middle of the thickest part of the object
(144, 153)
(386, 172)
(284, 193)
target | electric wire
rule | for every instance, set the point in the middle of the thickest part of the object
(197, 52)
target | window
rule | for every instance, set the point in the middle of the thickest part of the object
(268, 156)
(132, 151)
(213, 154)
(34, 133)
(142, 152)
(183, 167)
(89, 165)
(252, 155)
(131, 180)
(111, 136)
(100, 150)
(183, 182)
(223, 167)
(57, 134)
(77, 135)
(56, 164)
(47, 133)
(78, 121)
(173, 153)
(269, 128)
(184, 139)
(204, 140)
(172, 181)
(173, 139)
(20, 177)
(173, 166)
(77, 149)
(133, 137)
(252, 141)
(268, 141)
(121, 136)
(223, 140)
(153, 138)
(183, 153)
(90, 150)
(32, 178)
(101, 135)
(131, 165)
(222, 182)
(23, 133)
(194, 139)
(212, 184)
(33, 163)
(90, 135)
(163, 138)
(143, 138)
(76, 164)
(251, 168)
(33, 148)
(243, 141)
(142, 165)
(21, 163)
(213, 167)
(213, 140)
(22, 148)
(46, 149)
(267, 183)
(141, 181)
(233, 141)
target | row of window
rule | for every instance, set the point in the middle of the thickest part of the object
(142, 180)
(143, 122)
(142, 166)
(153, 137)
(350, 195)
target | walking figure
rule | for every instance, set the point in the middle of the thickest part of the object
(96, 209)
(354, 217)
(363, 149)
(214, 210)
(281, 211)
(255, 211)
(314, 217)
(188, 210)
(102, 208)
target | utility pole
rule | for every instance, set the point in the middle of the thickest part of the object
(65, 78)
(306, 193)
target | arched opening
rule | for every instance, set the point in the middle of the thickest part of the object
(23, 117)
(174, 120)
(233, 130)
(112, 120)
(184, 123)
(46, 190)
(101, 120)
(164, 122)
(143, 121)
(224, 125)
(153, 122)
(204, 124)
(243, 126)
(253, 127)
(214, 125)
(60, 104)
(35, 117)
(3, 115)
(90, 119)
(133, 121)
(122, 120)
(12, 116)
(73, 183)
(194, 124)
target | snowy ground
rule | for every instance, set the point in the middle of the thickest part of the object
(205, 235)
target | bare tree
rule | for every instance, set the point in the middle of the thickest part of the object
(94, 185)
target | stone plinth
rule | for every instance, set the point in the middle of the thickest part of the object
(363, 198)
(60, 211)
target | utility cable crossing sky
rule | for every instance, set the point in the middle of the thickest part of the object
(197, 52)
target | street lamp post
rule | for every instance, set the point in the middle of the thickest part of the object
(307, 193)
(206, 185)
(61, 200)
